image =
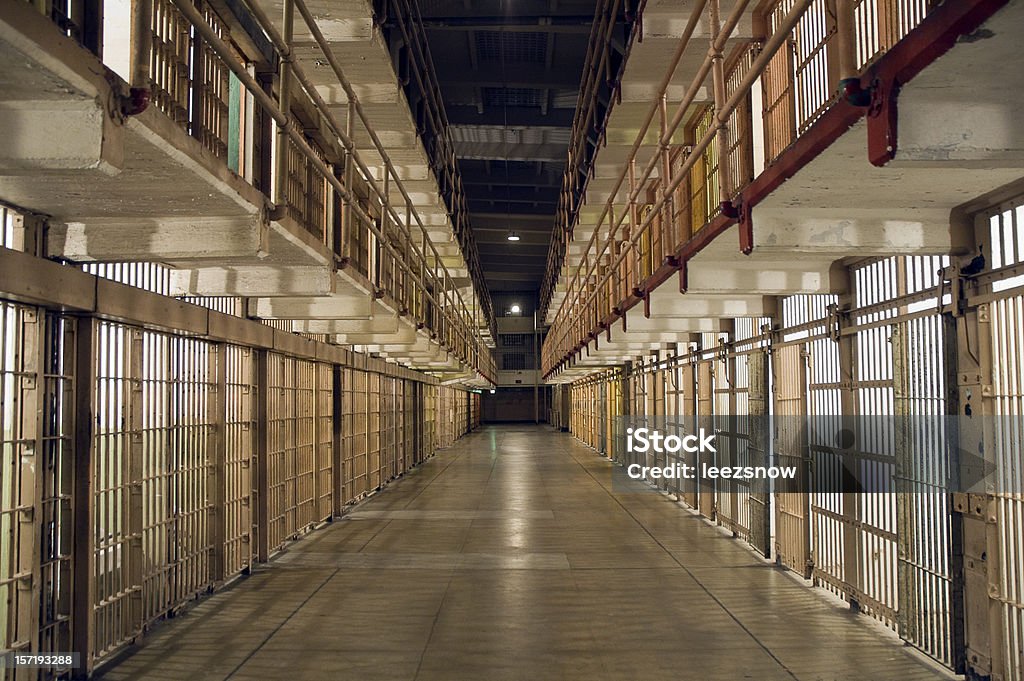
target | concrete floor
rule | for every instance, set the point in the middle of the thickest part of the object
(509, 556)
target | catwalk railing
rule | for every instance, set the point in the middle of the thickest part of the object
(153, 449)
(403, 29)
(908, 381)
(659, 206)
(617, 25)
(231, 80)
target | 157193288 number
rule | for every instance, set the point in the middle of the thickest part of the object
(40, 660)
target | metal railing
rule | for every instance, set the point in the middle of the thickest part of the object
(413, 63)
(303, 158)
(658, 206)
(600, 87)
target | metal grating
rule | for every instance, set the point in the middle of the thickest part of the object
(354, 407)
(148, 276)
(518, 47)
(512, 96)
(373, 426)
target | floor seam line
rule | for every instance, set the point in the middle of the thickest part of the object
(279, 626)
(451, 577)
(687, 571)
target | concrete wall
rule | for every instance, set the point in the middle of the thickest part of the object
(508, 405)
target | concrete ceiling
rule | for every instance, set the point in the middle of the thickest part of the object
(509, 74)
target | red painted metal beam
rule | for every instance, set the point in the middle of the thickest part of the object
(932, 38)
(882, 123)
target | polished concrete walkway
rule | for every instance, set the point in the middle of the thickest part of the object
(510, 556)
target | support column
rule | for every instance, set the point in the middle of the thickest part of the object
(135, 475)
(337, 451)
(705, 419)
(975, 520)
(29, 233)
(688, 407)
(29, 466)
(261, 487)
(759, 449)
(83, 548)
(849, 442)
(728, 421)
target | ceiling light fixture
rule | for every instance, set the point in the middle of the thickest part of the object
(513, 236)
(515, 309)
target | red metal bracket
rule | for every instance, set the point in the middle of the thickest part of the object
(882, 122)
(746, 227)
(936, 34)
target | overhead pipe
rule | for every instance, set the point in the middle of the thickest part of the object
(140, 92)
(285, 102)
(846, 47)
(720, 122)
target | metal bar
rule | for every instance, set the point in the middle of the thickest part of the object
(718, 83)
(283, 119)
(684, 42)
(217, 446)
(903, 61)
(262, 481)
(771, 46)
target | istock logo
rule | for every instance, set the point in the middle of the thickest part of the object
(652, 440)
(645, 440)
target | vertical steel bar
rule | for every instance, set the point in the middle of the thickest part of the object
(216, 484)
(281, 197)
(261, 487)
(83, 508)
(721, 115)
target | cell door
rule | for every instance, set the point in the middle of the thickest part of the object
(758, 452)
(793, 538)
(705, 420)
(638, 415)
(687, 422)
(921, 373)
(613, 418)
(672, 377)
